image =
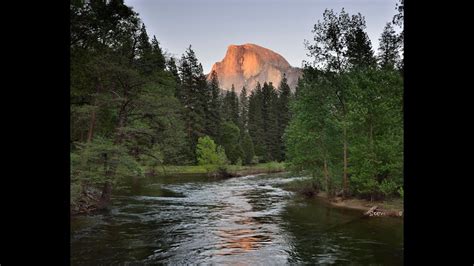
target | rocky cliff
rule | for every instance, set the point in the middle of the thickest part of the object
(245, 65)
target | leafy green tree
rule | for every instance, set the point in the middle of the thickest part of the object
(312, 138)
(210, 155)
(376, 117)
(398, 20)
(340, 42)
(340, 46)
(329, 47)
(101, 161)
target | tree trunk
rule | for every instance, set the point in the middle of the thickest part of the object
(326, 175)
(122, 121)
(345, 177)
(105, 196)
(371, 210)
(90, 134)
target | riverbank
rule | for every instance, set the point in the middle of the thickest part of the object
(232, 170)
(388, 207)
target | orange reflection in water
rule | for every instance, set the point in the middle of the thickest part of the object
(238, 240)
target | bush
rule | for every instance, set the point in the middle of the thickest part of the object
(388, 187)
(306, 187)
(209, 155)
(400, 192)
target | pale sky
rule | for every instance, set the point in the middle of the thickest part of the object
(210, 26)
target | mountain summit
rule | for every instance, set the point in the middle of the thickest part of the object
(247, 64)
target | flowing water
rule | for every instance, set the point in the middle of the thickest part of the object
(239, 221)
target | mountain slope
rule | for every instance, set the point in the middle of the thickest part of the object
(247, 64)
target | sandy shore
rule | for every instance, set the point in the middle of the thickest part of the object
(392, 207)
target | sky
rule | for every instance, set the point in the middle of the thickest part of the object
(210, 26)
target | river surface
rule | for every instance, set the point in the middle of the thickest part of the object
(239, 221)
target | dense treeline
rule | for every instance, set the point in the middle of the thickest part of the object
(134, 108)
(347, 116)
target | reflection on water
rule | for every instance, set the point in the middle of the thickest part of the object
(243, 221)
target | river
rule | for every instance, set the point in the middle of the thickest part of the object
(239, 221)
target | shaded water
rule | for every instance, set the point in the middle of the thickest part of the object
(240, 221)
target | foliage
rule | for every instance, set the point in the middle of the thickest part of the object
(230, 140)
(102, 161)
(209, 155)
(400, 191)
(347, 117)
(247, 148)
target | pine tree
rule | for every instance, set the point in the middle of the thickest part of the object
(284, 95)
(194, 96)
(231, 106)
(359, 49)
(214, 120)
(247, 148)
(230, 140)
(269, 122)
(157, 59)
(389, 47)
(234, 106)
(244, 109)
(255, 121)
(144, 52)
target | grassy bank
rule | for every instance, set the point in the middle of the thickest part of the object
(308, 188)
(234, 170)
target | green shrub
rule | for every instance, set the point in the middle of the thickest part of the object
(209, 155)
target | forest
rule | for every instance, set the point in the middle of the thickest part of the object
(135, 109)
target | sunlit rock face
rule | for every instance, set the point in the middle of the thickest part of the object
(245, 65)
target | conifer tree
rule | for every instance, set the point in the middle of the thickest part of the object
(389, 47)
(283, 114)
(244, 109)
(214, 119)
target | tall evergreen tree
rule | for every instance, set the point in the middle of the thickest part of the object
(173, 69)
(359, 49)
(214, 120)
(157, 59)
(234, 107)
(283, 114)
(270, 122)
(389, 47)
(230, 106)
(193, 95)
(247, 148)
(230, 140)
(244, 109)
(255, 121)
